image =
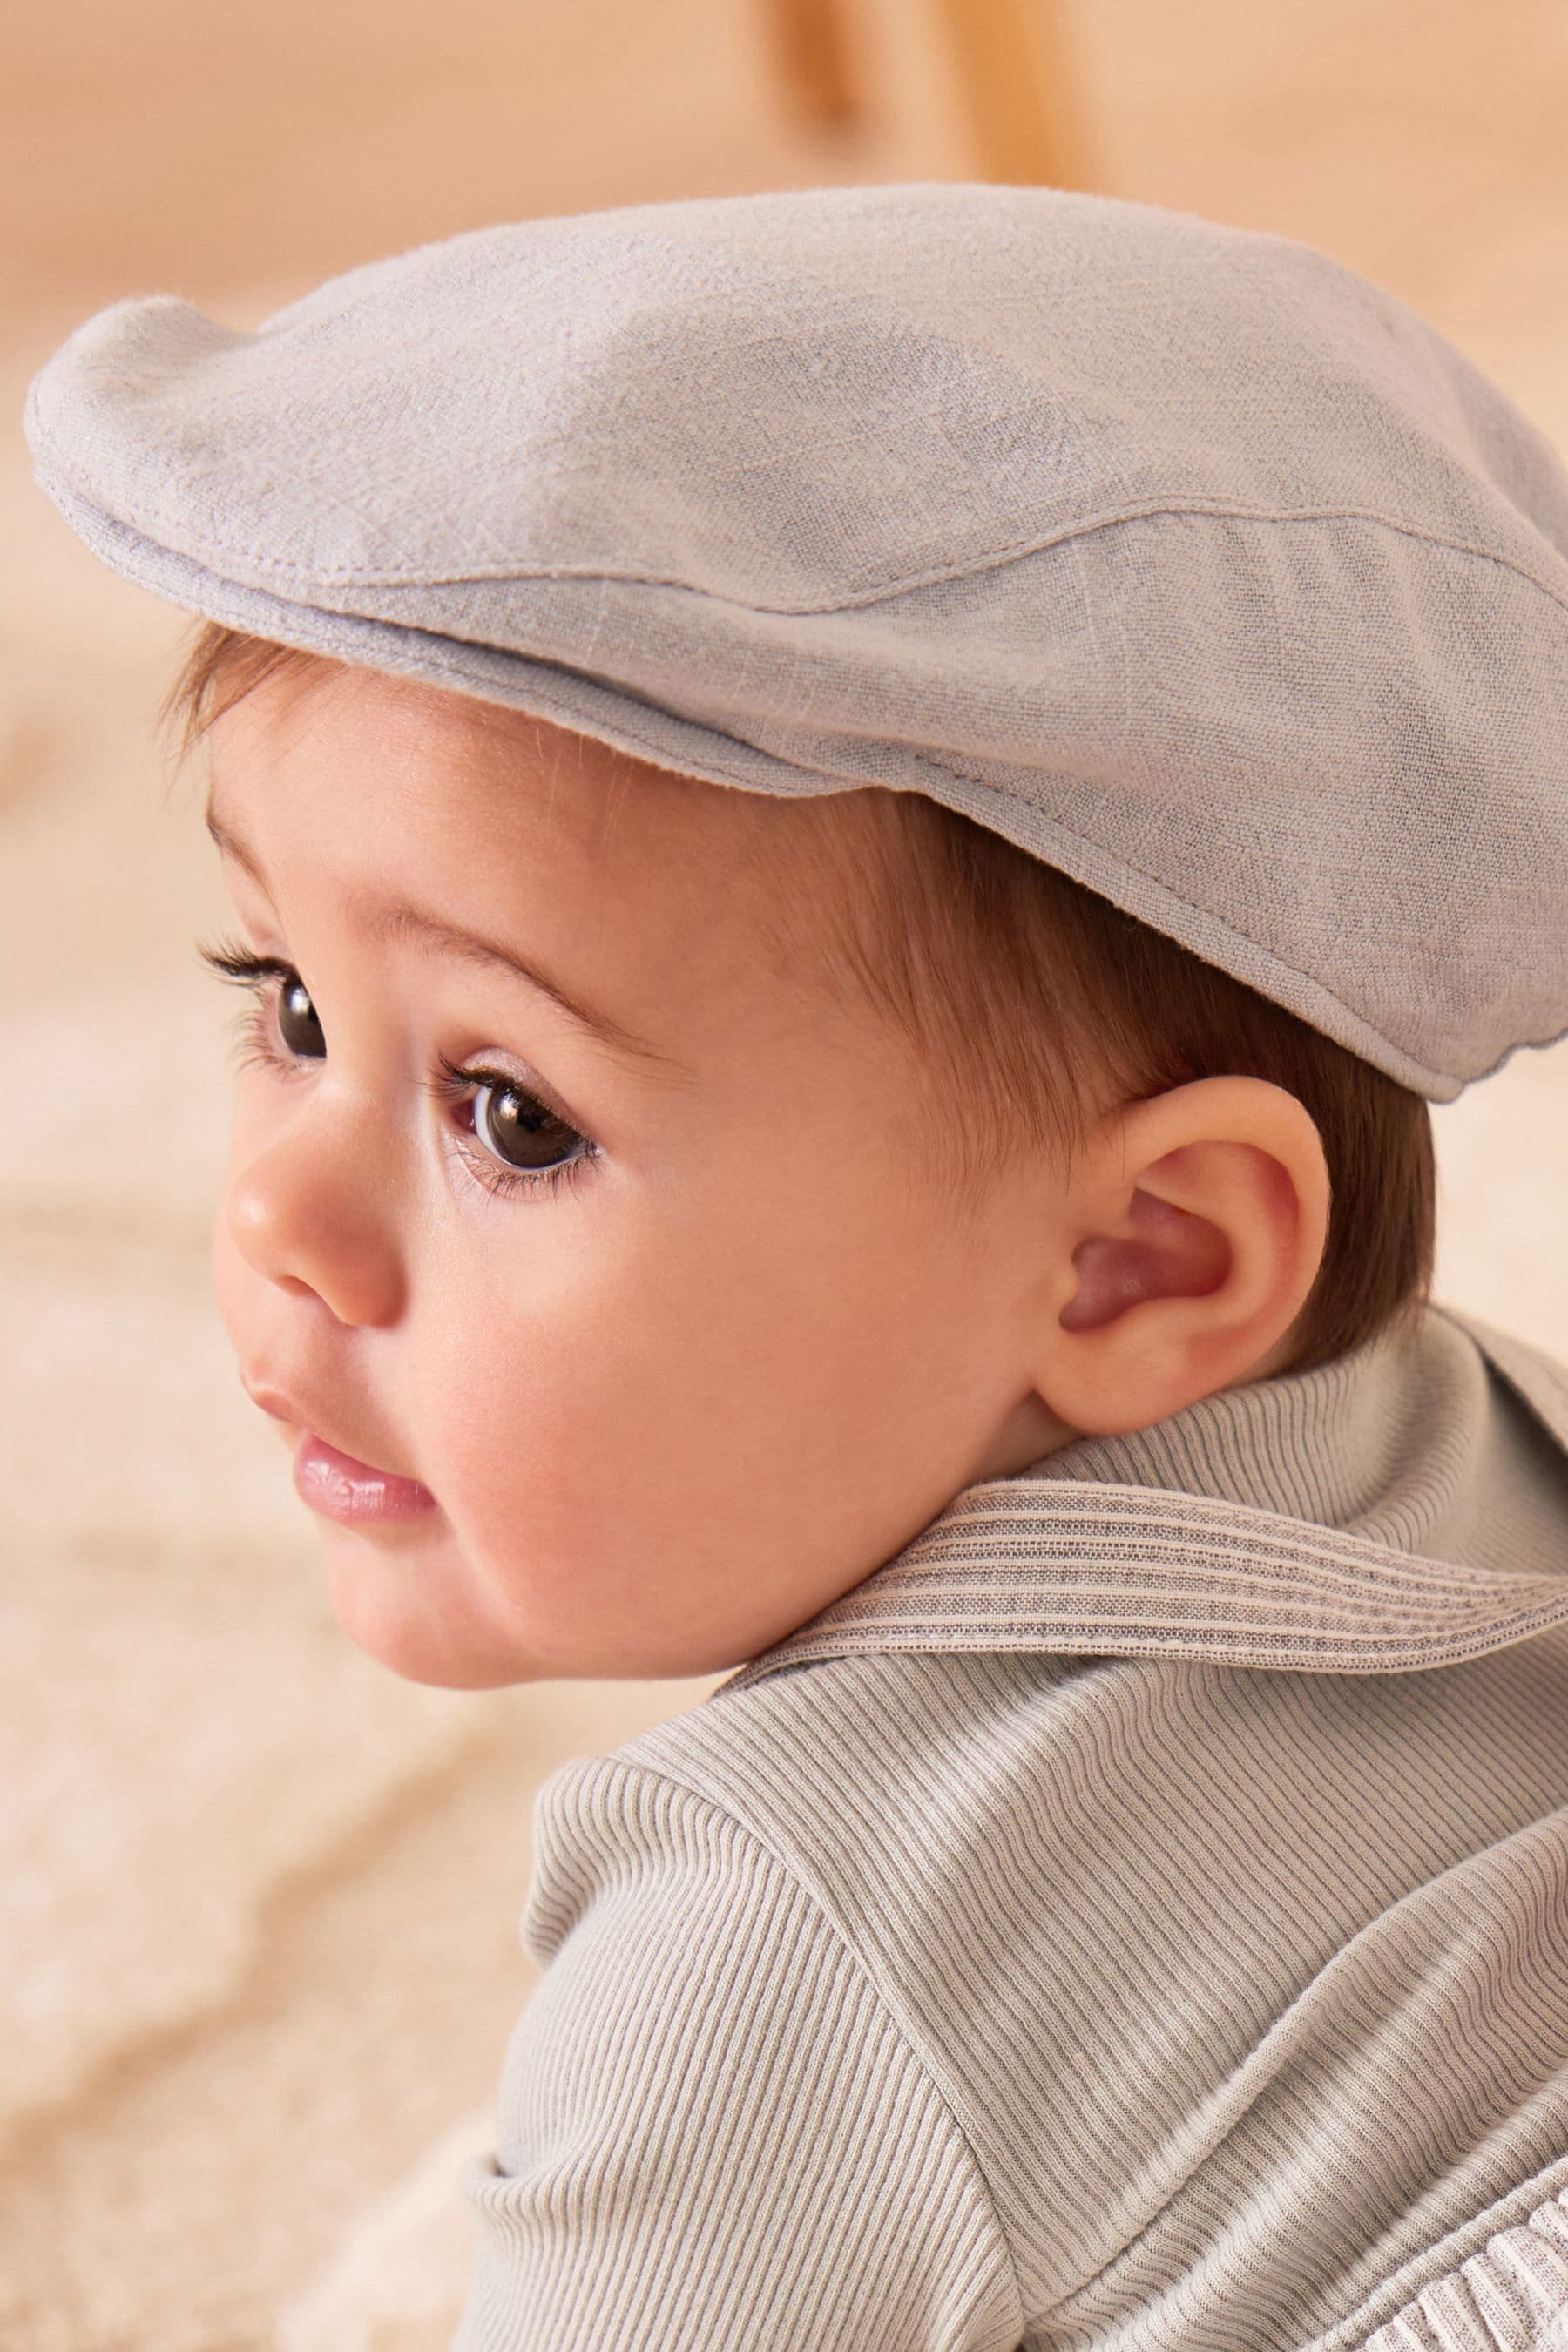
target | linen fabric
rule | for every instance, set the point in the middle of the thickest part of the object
(1179, 555)
(1000, 1962)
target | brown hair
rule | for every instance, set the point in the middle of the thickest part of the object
(1037, 1002)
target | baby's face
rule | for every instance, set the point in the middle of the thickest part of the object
(615, 1340)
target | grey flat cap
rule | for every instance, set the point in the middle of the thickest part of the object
(1179, 555)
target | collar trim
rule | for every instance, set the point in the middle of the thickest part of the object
(1082, 1566)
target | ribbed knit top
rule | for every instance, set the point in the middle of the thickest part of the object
(1136, 1916)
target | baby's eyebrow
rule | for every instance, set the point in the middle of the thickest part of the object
(402, 919)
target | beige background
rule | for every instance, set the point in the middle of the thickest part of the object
(258, 1899)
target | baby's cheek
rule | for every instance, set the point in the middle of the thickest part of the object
(583, 1514)
(646, 1449)
(519, 1441)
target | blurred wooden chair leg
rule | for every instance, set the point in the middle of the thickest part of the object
(1023, 113)
(816, 69)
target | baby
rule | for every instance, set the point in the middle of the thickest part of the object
(861, 823)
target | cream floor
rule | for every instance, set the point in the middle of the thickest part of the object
(258, 1900)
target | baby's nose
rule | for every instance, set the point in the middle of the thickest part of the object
(305, 1212)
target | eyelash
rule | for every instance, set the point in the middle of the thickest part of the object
(454, 1085)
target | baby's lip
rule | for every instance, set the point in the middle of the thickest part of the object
(283, 1405)
(355, 1492)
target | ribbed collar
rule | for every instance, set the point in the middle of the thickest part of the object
(1403, 1507)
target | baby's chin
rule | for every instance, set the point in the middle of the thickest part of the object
(409, 1604)
(409, 1599)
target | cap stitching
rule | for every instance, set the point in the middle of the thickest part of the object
(282, 567)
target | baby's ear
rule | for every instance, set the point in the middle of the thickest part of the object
(1196, 1228)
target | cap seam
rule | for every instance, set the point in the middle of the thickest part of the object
(882, 592)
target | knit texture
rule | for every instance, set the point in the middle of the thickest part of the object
(948, 1993)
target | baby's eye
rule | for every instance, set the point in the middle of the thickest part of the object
(299, 1023)
(519, 1130)
(292, 1013)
